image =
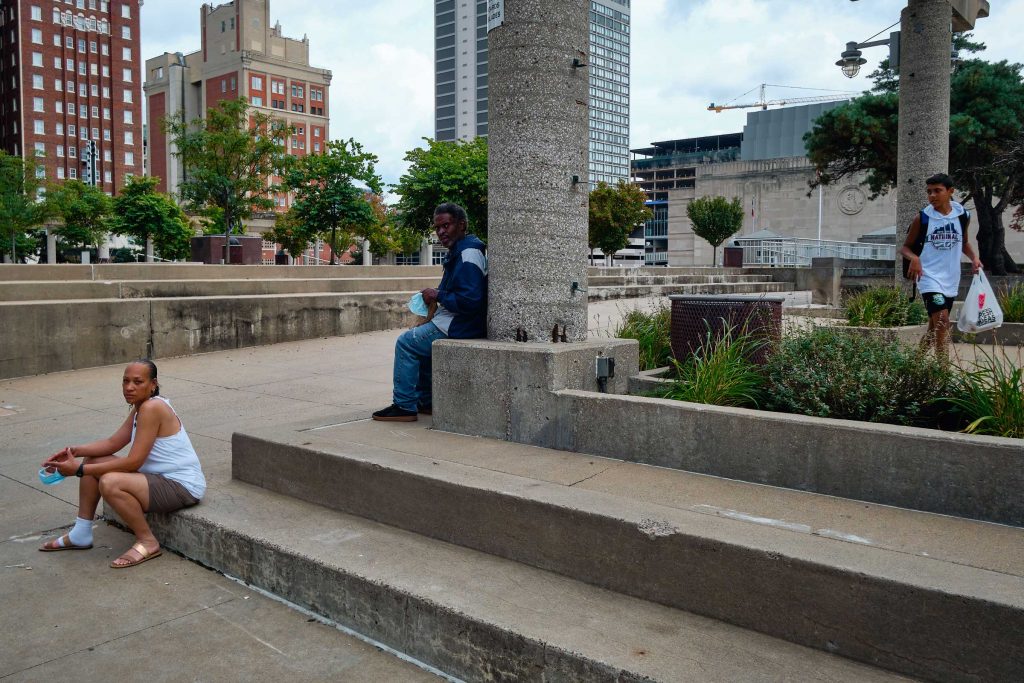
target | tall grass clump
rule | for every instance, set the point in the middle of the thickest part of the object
(831, 373)
(1011, 300)
(883, 307)
(720, 372)
(653, 331)
(989, 397)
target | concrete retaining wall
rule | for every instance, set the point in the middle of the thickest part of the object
(38, 338)
(977, 477)
(1010, 334)
(199, 271)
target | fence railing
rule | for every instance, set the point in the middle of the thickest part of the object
(797, 251)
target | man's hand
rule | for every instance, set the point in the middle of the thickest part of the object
(914, 271)
(429, 296)
(976, 265)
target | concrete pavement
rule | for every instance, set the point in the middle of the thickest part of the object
(148, 617)
(64, 611)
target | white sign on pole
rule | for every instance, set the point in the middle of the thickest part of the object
(495, 14)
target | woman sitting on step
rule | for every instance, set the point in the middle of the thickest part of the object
(161, 472)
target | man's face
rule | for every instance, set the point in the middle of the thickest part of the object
(449, 231)
(939, 195)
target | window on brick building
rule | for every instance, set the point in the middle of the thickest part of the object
(128, 116)
(37, 104)
(60, 129)
(58, 107)
(127, 95)
(81, 45)
(56, 37)
(126, 11)
(106, 176)
(257, 101)
(72, 148)
(94, 111)
(257, 83)
(104, 49)
(37, 36)
(127, 74)
(126, 33)
(36, 13)
(92, 46)
(60, 173)
(106, 71)
(69, 42)
(129, 137)
(126, 54)
(129, 158)
(60, 150)
(40, 148)
(106, 93)
(57, 63)
(37, 59)
(73, 173)
(106, 113)
(37, 82)
(39, 128)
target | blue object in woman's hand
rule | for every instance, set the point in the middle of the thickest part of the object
(49, 478)
(417, 305)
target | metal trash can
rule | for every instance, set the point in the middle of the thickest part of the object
(694, 315)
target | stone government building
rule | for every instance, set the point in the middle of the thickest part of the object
(766, 167)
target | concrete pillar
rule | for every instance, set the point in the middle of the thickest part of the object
(367, 256)
(923, 131)
(51, 246)
(149, 250)
(426, 252)
(103, 250)
(537, 135)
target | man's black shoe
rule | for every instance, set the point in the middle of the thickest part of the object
(395, 414)
(425, 410)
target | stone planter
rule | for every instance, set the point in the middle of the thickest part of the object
(1010, 334)
(910, 334)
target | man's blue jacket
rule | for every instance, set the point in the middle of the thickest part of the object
(462, 294)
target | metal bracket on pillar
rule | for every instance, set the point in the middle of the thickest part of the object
(578, 63)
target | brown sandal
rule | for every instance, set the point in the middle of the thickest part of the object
(65, 544)
(143, 556)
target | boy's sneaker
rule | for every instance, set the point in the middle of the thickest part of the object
(395, 414)
(425, 409)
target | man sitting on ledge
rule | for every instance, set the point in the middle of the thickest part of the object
(461, 301)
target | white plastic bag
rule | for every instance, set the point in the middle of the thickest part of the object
(981, 309)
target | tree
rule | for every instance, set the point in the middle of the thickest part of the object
(85, 211)
(228, 159)
(389, 234)
(444, 172)
(614, 213)
(291, 233)
(986, 117)
(330, 191)
(144, 214)
(20, 209)
(715, 219)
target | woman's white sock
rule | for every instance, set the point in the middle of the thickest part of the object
(81, 534)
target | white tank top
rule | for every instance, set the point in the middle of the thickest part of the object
(940, 257)
(175, 458)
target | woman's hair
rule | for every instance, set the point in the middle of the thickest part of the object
(152, 372)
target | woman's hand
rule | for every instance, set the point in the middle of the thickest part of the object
(58, 457)
(68, 467)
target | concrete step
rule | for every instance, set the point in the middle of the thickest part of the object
(156, 289)
(200, 271)
(908, 591)
(663, 271)
(638, 291)
(473, 615)
(646, 279)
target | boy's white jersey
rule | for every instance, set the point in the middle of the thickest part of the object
(940, 257)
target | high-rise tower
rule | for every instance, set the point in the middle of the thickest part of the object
(460, 79)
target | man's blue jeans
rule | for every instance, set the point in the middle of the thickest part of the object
(413, 366)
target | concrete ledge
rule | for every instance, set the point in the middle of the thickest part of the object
(977, 477)
(37, 338)
(898, 611)
(507, 386)
(1010, 334)
(200, 271)
(909, 335)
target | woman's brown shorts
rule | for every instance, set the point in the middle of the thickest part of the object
(167, 495)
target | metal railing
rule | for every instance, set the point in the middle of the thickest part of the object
(797, 251)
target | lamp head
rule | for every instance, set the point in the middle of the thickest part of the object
(851, 60)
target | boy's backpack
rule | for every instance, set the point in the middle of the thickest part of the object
(922, 235)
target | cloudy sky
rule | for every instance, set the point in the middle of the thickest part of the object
(685, 54)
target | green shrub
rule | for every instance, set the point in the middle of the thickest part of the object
(720, 372)
(990, 397)
(1011, 300)
(884, 307)
(832, 373)
(652, 330)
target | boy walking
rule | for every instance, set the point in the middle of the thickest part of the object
(940, 234)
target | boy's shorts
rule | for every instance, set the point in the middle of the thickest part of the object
(936, 301)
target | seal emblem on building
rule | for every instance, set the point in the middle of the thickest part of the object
(852, 200)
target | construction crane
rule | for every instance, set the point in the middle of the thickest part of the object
(765, 103)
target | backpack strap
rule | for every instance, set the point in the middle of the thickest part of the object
(922, 235)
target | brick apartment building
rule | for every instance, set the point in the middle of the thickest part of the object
(241, 55)
(70, 75)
